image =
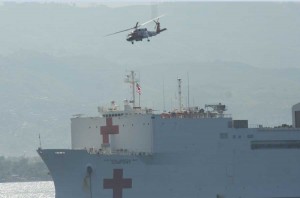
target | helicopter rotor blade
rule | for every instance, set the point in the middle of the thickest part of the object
(152, 20)
(120, 31)
(135, 27)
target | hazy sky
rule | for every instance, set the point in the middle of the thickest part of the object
(136, 2)
(55, 62)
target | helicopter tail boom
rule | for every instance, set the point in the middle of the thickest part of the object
(160, 30)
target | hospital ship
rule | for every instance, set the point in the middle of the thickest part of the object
(191, 152)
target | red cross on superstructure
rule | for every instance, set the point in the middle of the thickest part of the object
(108, 129)
(117, 183)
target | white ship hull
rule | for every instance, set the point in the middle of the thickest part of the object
(187, 158)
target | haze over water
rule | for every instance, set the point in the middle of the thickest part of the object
(27, 190)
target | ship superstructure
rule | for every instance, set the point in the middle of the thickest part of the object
(189, 152)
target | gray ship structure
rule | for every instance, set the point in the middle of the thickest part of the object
(187, 153)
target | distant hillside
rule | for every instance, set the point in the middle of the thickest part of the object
(41, 93)
(55, 62)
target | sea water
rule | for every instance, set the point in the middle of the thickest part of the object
(27, 190)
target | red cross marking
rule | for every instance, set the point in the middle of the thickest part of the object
(108, 129)
(117, 183)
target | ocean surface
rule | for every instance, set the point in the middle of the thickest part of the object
(27, 190)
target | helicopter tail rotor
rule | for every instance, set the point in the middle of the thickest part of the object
(156, 23)
(157, 27)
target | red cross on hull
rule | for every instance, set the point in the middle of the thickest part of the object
(108, 129)
(117, 183)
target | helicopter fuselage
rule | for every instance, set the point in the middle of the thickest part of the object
(140, 34)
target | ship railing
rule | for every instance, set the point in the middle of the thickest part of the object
(116, 152)
(261, 127)
(131, 153)
(127, 113)
(278, 129)
(194, 115)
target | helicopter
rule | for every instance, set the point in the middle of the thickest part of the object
(138, 34)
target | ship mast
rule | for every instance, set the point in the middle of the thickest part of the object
(133, 87)
(179, 94)
(131, 80)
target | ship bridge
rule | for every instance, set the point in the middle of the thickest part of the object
(114, 110)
